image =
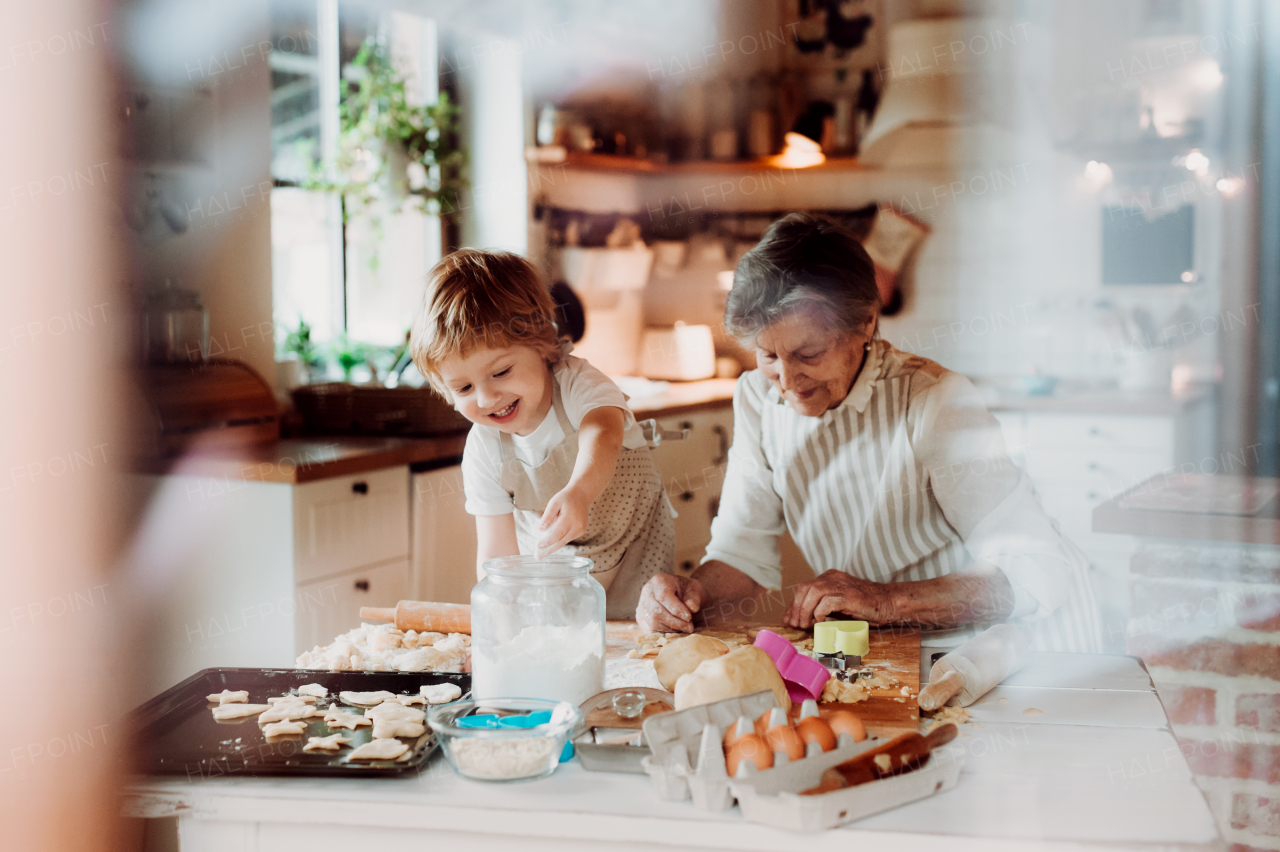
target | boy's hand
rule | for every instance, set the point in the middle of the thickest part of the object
(564, 520)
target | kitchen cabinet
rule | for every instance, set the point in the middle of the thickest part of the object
(444, 536)
(250, 573)
(693, 474)
(349, 522)
(329, 607)
(350, 539)
(1077, 461)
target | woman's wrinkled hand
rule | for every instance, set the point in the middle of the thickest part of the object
(668, 604)
(836, 591)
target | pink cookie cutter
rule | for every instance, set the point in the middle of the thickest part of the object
(804, 677)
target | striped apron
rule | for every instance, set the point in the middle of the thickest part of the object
(857, 499)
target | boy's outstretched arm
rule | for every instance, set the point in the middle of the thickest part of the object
(599, 442)
(495, 536)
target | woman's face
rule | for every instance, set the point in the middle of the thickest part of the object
(812, 366)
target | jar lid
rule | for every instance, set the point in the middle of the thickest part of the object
(531, 567)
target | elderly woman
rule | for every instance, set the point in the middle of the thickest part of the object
(886, 468)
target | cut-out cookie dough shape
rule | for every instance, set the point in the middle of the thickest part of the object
(333, 742)
(440, 693)
(288, 711)
(313, 689)
(281, 729)
(338, 718)
(365, 699)
(391, 711)
(236, 711)
(383, 730)
(226, 696)
(379, 750)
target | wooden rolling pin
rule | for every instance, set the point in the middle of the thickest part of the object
(423, 616)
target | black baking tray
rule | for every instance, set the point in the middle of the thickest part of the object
(175, 732)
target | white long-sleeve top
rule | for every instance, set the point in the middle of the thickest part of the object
(906, 479)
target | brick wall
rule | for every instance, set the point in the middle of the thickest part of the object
(1205, 618)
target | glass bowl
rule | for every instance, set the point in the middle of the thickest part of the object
(503, 739)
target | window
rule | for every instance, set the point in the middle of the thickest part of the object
(361, 276)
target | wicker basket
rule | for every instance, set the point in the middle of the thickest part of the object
(339, 407)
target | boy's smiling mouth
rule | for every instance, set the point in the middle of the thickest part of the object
(505, 414)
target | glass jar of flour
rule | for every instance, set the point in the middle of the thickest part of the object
(537, 629)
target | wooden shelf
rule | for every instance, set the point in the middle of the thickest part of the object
(634, 165)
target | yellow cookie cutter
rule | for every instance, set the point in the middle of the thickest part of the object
(851, 638)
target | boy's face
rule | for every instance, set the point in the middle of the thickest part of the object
(508, 388)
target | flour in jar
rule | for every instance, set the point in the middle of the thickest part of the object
(542, 661)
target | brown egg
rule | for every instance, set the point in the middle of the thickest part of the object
(785, 739)
(762, 724)
(750, 747)
(814, 730)
(731, 736)
(844, 722)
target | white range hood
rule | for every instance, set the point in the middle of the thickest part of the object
(951, 94)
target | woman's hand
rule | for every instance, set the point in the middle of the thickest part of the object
(564, 520)
(668, 603)
(836, 591)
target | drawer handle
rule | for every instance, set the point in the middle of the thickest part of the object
(360, 487)
(722, 457)
(362, 585)
(687, 565)
(686, 496)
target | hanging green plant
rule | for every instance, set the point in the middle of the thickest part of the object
(389, 149)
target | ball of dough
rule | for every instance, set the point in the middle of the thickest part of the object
(740, 672)
(684, 655)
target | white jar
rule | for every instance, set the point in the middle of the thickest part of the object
(537, 630)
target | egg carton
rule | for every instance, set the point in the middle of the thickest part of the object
(777, 803)
(688, 758)
(675, 740)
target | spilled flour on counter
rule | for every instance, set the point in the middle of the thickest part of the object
(630, 672)
(948, 713)
(854, 685)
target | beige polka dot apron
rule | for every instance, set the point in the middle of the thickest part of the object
(629, 534)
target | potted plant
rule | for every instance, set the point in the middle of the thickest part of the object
(390, 150)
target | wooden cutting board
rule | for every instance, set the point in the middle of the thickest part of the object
(895, 650)
(888, 713)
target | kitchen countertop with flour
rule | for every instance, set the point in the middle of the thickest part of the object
(1074, 751)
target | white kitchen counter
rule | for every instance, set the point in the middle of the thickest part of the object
(1098, 768)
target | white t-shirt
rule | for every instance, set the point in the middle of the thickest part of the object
(582, 388)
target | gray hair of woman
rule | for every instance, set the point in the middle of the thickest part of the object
(802, 263)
